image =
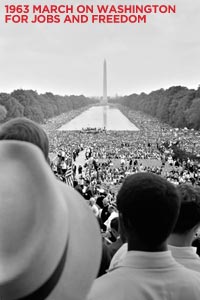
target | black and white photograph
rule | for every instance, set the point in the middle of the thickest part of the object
(99, 150)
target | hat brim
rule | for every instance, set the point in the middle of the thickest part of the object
(83, 251)
(63, 242)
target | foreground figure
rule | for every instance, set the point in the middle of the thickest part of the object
(50, 244)
(187, 227)
(148, 209)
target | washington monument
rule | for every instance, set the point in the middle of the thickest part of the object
(105, 99)
(104, 81)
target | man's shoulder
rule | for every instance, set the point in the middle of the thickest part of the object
(182, 282)
(186, 256)
(107, 286)
(189, 275)
(192, 264)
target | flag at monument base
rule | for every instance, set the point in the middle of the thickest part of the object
(69, 176)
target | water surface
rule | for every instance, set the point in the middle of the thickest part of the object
(97, 117)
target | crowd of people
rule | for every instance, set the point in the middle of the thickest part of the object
(110, 156)
(127, 212)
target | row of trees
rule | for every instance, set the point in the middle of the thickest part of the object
(177, 106)
(38, 107)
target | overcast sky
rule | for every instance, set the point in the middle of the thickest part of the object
(68, 58)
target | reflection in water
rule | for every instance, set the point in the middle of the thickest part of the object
(105, 116)
(100, 116)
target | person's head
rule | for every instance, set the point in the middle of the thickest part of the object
(148, 208)
(23, 129)
(92, 201)
(105, 202)
(189, 216)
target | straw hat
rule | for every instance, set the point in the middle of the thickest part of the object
(50, 244)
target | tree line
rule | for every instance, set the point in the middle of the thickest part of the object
(177, 106)
(38, 107)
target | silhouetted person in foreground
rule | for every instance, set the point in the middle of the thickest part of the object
(148, 209)
(50, 243)
(187, 228)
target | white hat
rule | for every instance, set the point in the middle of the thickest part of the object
(50, 244)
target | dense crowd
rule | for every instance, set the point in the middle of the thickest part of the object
(112, 155)
(108, 157)
(131, 187)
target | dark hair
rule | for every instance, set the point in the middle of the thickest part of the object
(189, 215)
(23, 129)
(149, 206)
